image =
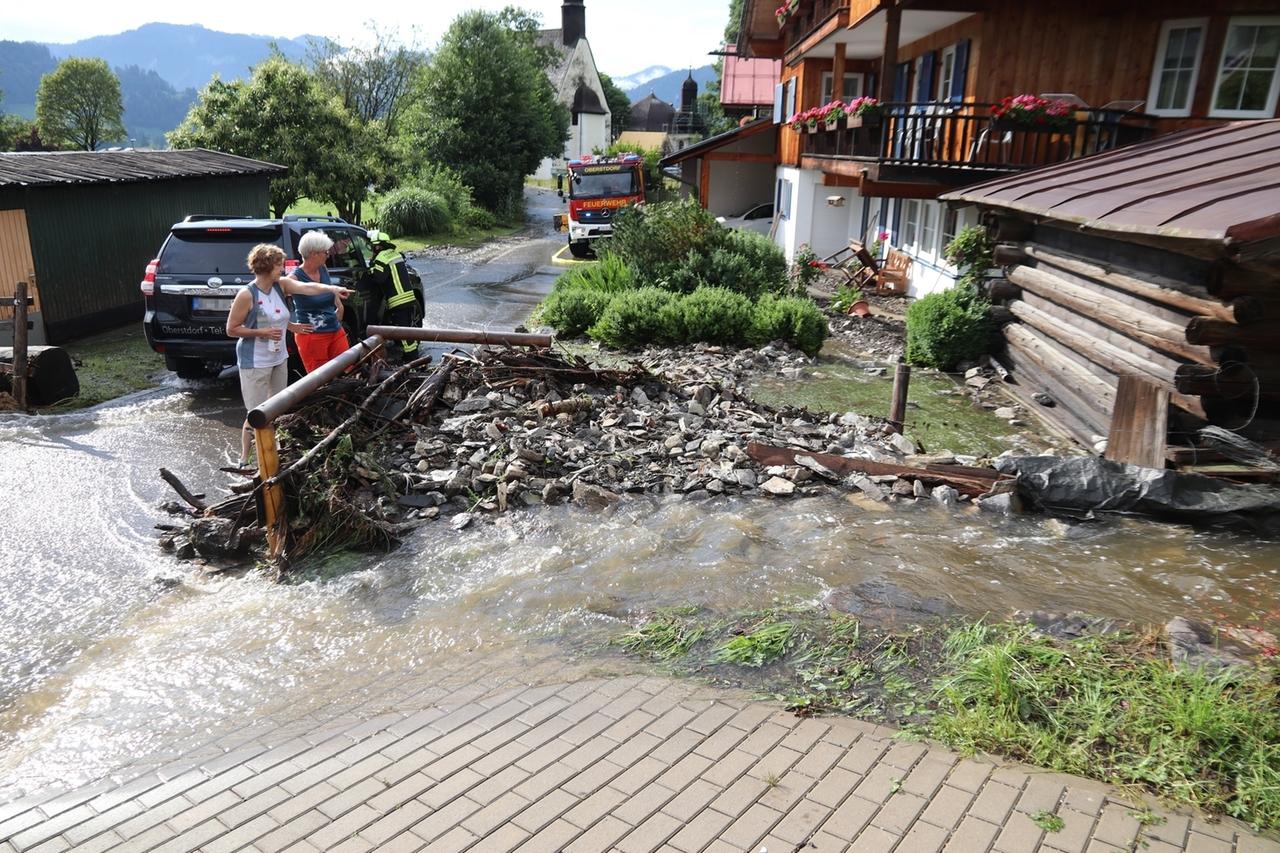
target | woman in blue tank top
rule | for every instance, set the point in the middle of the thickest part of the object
(322, 312)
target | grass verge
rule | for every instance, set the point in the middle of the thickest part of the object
(467, 237)
(111, 365)
(1112, 708)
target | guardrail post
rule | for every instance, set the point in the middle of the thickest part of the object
(273, 509)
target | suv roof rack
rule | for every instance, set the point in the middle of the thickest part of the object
(311, 217)
(205, 217)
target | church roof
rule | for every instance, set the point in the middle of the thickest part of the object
(651, 114)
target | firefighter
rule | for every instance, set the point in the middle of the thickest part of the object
(390, 274)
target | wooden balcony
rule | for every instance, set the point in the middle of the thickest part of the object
(814, 21)
(961, 144)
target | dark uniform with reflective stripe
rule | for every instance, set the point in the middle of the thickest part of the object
(390, 272)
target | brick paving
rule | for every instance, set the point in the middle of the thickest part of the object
(628, 763)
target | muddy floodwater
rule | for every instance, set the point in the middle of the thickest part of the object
(111, 651)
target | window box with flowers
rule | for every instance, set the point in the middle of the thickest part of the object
(864, 112)
(805, 122)
(785, 11)
(1032, 113)
(832, 115)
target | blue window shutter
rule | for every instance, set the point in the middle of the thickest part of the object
(902, 81)
(924, 85)
(870, 85)
(778, 117)
(960, 72)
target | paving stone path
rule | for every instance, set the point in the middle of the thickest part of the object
(627, 763)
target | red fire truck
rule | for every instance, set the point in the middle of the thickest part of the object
(598, 188)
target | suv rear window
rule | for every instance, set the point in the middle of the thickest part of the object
(218, 252)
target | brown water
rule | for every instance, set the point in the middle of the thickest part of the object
(112, 652)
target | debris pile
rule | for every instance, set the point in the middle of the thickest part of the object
(498, 429)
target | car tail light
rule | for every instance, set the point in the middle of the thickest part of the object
(148, 284)
(290, 265)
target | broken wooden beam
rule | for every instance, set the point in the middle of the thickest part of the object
(967, 480)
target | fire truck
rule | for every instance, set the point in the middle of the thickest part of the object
(598, 188)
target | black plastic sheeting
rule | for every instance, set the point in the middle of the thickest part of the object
(1090, 484)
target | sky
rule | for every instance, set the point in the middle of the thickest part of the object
(626, 35)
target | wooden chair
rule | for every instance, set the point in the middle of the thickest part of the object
(855, 263)
(895, 275)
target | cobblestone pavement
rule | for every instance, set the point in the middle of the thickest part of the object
(475, 761)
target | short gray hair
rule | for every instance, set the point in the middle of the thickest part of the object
(314, 241)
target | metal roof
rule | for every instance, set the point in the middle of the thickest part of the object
(1219, 184)
(719, 141)
(120, 167)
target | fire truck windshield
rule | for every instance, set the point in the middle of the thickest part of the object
(603, 184)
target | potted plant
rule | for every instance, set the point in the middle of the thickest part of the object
(848, 299)
(833, 115)
(864, 112)
(804, 122)
(1033, 113)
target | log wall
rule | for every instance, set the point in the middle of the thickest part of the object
(1088, 310)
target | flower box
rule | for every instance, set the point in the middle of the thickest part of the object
(871, 119)
(811, 127)
(834, 124)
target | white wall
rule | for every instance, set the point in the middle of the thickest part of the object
(918, 228)
(826, 228)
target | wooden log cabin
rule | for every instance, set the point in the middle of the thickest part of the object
(1143, 289)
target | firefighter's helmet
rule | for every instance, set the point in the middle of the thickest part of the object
(376, 236)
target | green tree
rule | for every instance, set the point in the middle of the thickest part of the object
(78, 105)
(485, 107)
(619, 105)
(735, 22)
(282, 115)
(371, 81)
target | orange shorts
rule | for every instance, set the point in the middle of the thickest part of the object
(319, 347)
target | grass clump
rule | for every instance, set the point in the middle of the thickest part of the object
(765, 643)
(946, 328)
(667, 636)
(1048, 821)
(414, 210)
(1103, 708)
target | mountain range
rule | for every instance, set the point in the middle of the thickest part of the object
(162, 66)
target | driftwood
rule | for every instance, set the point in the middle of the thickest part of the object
(183, 492)
(967, 480)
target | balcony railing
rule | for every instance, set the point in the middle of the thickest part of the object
(966, 137)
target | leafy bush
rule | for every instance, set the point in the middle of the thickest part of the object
(635, 318)
(714, 315)
(741, 261)
(948, 327)
(845, 296)
(581, 295)
(414, 210)
(973, 252)
(573, 310)
(448, 183)
(789, 318)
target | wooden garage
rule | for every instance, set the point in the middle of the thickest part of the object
(85, 224)
(1143, 290)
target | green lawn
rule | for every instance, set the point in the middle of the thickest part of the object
(111, 365)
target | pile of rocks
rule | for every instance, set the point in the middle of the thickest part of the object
(682, 426)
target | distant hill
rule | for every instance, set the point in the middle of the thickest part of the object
(667, 86)
(631, 81)
(186, 55)
(161, 67)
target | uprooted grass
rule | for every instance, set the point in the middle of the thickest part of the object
(1112, 708)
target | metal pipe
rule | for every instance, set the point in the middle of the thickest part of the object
(461, 336)
(290, 397)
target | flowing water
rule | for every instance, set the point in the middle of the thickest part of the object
(110, 650)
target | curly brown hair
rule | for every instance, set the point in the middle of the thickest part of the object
(265, 257)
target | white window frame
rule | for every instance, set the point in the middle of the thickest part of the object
(828, 85)
(782, 201)
(911, 225)
(943, 236)
(928, 241)
(1272, 93)
(1153, 92)
(946, 73)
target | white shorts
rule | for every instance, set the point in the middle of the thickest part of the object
(258, 384)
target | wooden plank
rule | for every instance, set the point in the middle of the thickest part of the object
(16, 263)
(1139, 424)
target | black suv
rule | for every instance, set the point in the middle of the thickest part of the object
(203, 265)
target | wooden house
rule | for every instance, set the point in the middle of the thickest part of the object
(1131, 71)
(1143, 289)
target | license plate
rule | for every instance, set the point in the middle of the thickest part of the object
(209, 303)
